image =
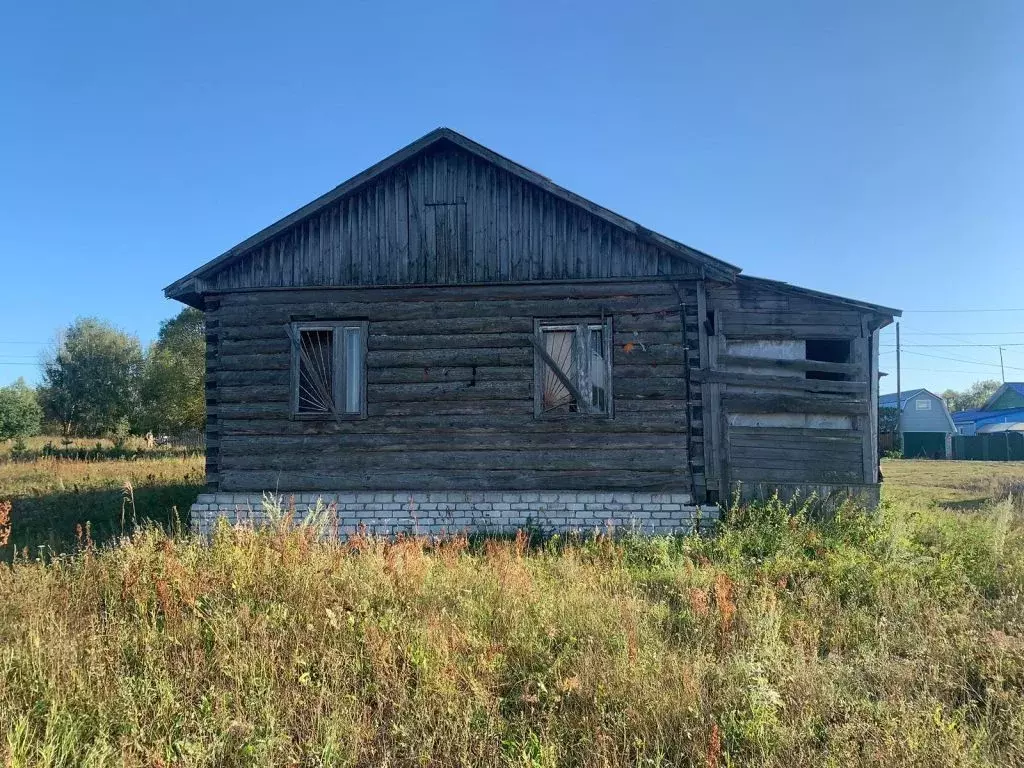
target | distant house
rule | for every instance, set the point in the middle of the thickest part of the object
(1010, 395)
(926, 423)
(1003, 412)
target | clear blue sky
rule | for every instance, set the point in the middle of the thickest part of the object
(872, 149)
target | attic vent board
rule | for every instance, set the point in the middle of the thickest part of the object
(446, 227)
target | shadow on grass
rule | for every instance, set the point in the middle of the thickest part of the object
(50, 520)
(968, 505)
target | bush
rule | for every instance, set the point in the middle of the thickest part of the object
(20, 413)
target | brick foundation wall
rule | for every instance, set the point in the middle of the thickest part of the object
(386, 513)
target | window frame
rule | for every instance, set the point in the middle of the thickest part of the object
(339, 361)
(581, 346)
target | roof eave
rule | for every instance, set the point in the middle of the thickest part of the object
(889, 312)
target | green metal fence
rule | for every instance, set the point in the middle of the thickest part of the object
(924, 445)
(997, 446)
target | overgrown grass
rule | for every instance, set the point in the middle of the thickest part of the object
(891, 639)
(51, 496)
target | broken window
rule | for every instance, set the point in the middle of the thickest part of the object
(828, 351)
(328, 363)
(573, 363)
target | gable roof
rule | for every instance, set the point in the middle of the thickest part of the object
(889, 401)
(1011, 386)
(713, 267)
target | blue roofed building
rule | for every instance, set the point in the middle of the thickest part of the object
(1002, 412)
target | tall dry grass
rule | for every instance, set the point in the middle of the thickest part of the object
(890, 640)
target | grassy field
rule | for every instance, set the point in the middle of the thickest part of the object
(51, 495)
(890, 639)
(962, 485)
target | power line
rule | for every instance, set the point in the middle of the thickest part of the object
(962, 360)
(946, 335)
(944, 370)
(976, 371)
(968, 346)
(967, 333)
(934, 311)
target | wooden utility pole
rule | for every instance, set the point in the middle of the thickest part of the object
(1002, 370)
(899, 395)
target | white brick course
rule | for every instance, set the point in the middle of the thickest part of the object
(439, 513)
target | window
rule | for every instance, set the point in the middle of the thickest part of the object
(328, 370)
(923, 405)
(827, 351)
(573, 367)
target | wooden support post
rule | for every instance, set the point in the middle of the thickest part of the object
(899, 395)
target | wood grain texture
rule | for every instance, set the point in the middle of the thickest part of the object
(447, 217)
(450, 392)
(742, 384)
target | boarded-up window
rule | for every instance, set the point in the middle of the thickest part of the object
(328, 370)
(573, 368)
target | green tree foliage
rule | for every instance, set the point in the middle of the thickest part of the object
(888, 419)
(91, 379)
(20, 413)
(972, 397)
(172, 386)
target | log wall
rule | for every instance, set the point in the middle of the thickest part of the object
(450, 392)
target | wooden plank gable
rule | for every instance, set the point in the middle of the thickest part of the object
(446, 211)
(446, 217)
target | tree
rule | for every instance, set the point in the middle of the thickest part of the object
(91, 378)
(20, 413)
(972, 397)
(888, 420)
(173, 391)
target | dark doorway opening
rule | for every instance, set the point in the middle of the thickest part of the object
(828, 351)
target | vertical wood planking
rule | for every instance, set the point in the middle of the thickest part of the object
(401, 225)
(396, 230)
(415, 204)
(517, 252)
(504, 204)
(460, 255)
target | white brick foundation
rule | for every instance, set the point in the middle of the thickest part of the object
(386, 513)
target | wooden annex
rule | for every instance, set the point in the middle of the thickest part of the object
(449, 320)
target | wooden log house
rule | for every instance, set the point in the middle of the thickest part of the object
(449, 339)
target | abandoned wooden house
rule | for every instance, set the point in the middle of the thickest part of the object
(451, 340)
